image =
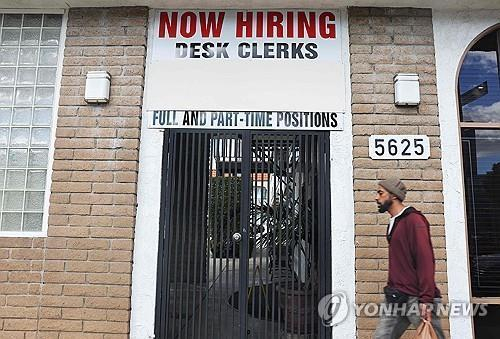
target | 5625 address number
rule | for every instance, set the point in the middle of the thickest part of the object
(399, 147)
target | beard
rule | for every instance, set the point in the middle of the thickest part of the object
(384, 207)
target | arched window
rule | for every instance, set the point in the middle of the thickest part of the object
(479, 102)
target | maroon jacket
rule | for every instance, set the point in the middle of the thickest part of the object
(411, 258)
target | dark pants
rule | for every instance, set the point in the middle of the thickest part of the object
(392, 326)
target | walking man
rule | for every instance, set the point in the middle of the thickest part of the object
(411, 288)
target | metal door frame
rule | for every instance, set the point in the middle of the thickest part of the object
(325, 260)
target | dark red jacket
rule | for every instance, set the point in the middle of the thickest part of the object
(411, 258)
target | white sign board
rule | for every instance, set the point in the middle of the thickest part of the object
(257, 35)
(391, 147)
(324, 121)
(246, 60)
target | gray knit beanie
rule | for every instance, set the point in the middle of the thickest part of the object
(394, 186)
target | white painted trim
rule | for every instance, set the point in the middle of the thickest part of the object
(453, 32)
(143, 298)
(32, 11)
(55, 115)
(55, 110)
(20, 234)
(342, 200)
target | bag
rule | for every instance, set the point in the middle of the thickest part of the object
(425, 331)
(394, 296)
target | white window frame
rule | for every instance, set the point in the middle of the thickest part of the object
(55, 110)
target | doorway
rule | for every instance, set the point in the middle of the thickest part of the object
(244, 243)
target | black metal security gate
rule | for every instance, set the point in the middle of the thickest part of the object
(244, 247)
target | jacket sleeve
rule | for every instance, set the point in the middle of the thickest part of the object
(424, 259)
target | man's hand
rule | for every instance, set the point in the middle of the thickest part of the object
(425, 311)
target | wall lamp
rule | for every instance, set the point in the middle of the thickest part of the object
(97, 87)
(406, 89)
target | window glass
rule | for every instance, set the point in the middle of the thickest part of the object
(479, 82)
(481, 154)
(486, 326)
(29, 47)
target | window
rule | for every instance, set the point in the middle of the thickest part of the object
(29, 51)
(479, 98)
(481, 154)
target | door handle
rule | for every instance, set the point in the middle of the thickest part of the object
(237, 237)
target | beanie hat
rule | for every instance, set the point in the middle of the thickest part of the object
(394, 186)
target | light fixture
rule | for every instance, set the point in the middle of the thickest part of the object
(406, 89)
(97, 87)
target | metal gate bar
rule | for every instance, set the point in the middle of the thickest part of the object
(244, 236)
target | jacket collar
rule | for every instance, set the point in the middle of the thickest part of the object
(406, 212)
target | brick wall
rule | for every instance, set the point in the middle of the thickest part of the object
(383, 42)
(76, 282)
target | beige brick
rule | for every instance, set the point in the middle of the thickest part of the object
(26, 253)
(366, 241)
(112, 256)
(14, 266)
(17, 312)
(61, 301)
(65, 254)
(86, 266)
(90, 220)
(94, 314)
(119, 291)
(20, 324)
(59, 198)
(11, 335)
(64, 278)
(108, 303)
(91, 198)
(71, 187)
(50, 313)
(71, 165)
(22, 300)
(114, 188)
(14, 289)
(73, 335)
(60, 325)
(109, 278)
(69, 209)
(126, 177)
(111, 210)
(72, 313)
(111, 232)
(64, 231)
(122, 244)
(85, 290)
(123, 221)
(24, 277)
(118, 315)
(96, 176)
(371, 275)
(15, 242)
(105, 326)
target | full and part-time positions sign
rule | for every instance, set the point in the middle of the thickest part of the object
(329, 121)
